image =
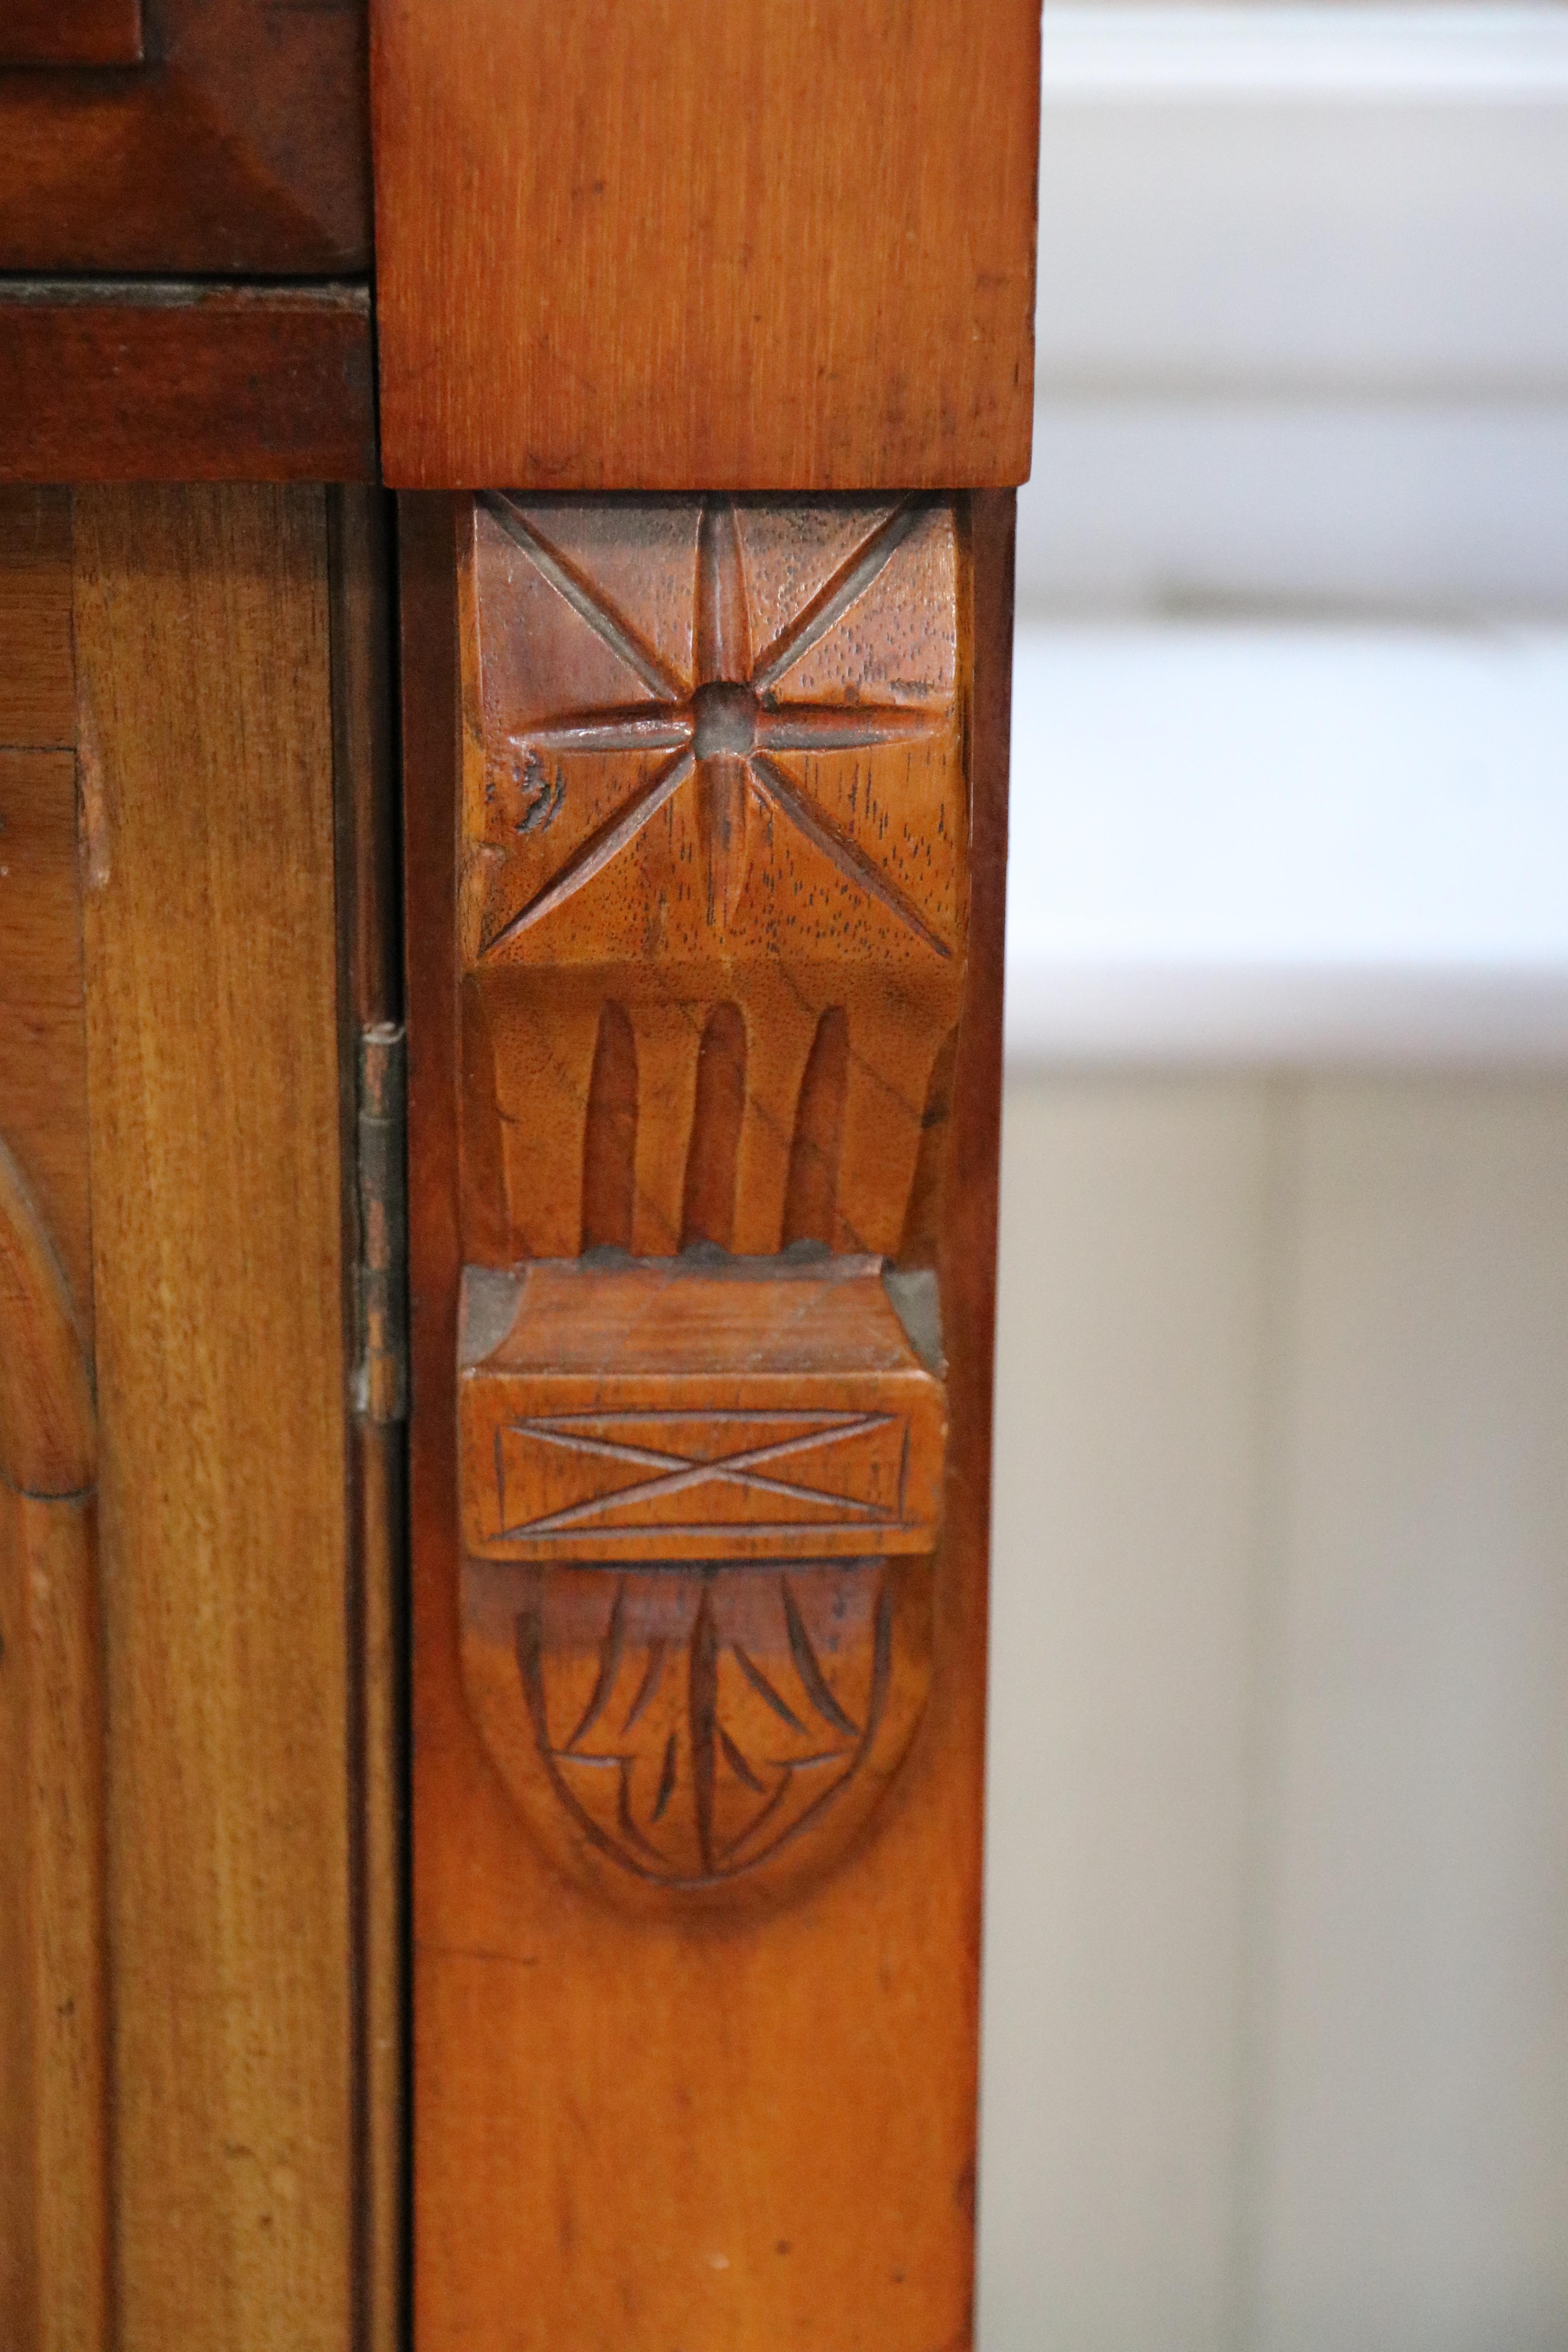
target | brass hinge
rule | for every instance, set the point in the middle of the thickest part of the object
(381, 1376)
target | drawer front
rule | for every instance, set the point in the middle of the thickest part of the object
(184, 136)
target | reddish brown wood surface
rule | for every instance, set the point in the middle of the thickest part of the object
(103, 382)
(37, 687)
(71, 33)
(730, 2124)
(43, 1039)
(697, 245)
(231, 672)
(720, 1348)
(54, 2116)
(239, 145)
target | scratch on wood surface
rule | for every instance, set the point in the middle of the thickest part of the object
(92, 808)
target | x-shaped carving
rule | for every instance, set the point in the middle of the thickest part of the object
(677, 1473)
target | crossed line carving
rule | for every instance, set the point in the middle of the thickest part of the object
(677, 1473)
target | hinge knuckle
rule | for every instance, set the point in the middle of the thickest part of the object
(381, 1382)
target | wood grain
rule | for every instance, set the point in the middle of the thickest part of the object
(102, 381)
(240, 147)
(694, 245)
(43, 1038)
(46, 1396)
(203, 669)
(54, 2117)
(71, 33)
(38, 692)
(735, 2130)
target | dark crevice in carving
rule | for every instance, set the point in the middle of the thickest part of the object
(610, 626)
(739, 1765)
(707, 1210)
(703, 1695)
(666, 1779)
(807, 1668)
(923, 1215)
(727, 727)
(724, 626)
(840, 851)
(680, 1473)
(811, 1190)
(765, 1690)
(647, 1689)
(624, 1813)
(851, 580)
(709, 1740)
(610, 1138)
(609, 1667)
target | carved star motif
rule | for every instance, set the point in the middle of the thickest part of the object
(728, 730)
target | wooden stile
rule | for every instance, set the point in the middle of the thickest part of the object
(706, 840)
(203, 651)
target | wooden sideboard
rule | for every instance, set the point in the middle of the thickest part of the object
(493, 1599)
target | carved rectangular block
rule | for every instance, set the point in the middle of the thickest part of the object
(670, 1410)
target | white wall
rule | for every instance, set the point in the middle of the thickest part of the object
(1302, 329)
(1277, 1987)
(1277, 1961)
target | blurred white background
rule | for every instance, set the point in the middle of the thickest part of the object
(1277, 1962)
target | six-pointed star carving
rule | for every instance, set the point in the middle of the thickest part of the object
(731, 723)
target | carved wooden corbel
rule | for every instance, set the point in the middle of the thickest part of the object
(711, 934)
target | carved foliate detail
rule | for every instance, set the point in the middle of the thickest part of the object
(711, 929)
(694, 1728)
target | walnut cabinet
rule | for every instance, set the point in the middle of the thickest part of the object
(505, 616)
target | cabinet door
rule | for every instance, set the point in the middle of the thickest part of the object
(194, 1779)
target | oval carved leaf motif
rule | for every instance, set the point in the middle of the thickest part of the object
(697, 1727)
